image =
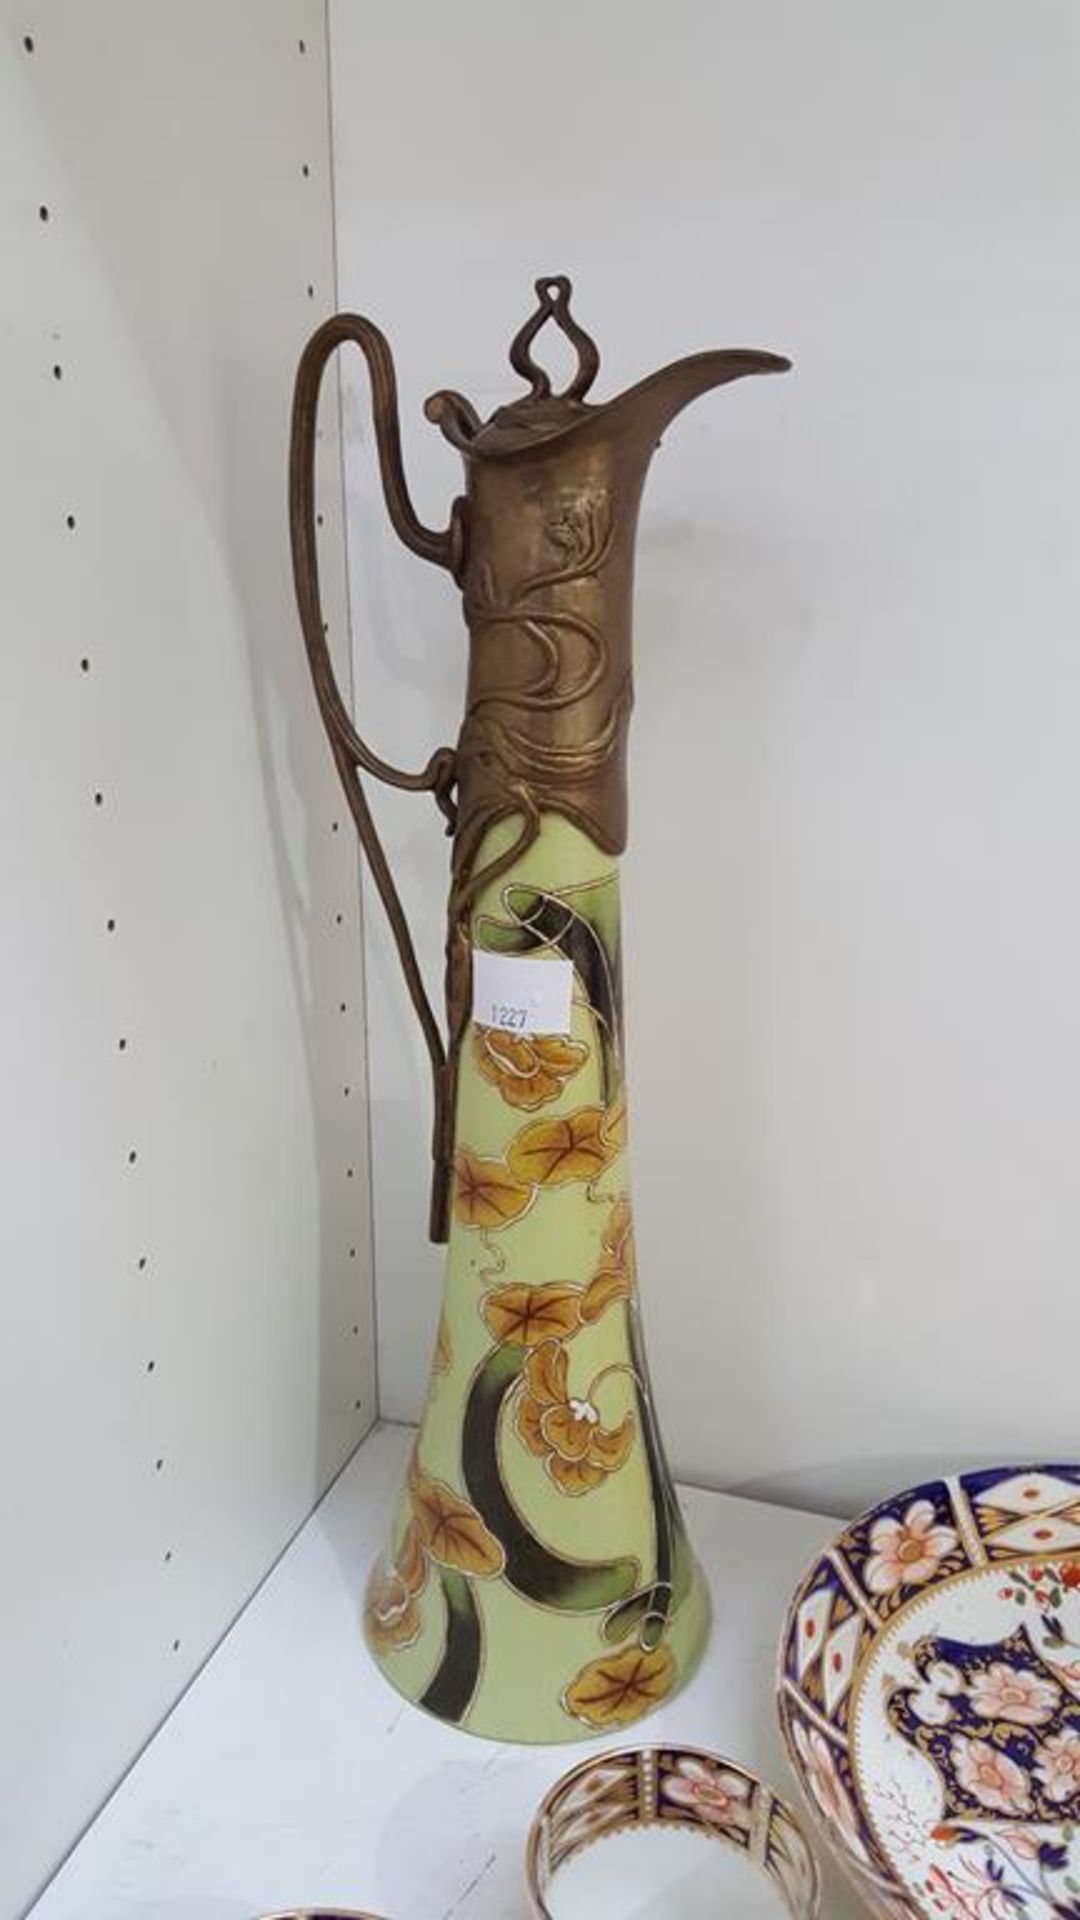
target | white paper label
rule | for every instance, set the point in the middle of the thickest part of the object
(520, 995)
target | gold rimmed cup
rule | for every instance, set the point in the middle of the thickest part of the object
(660, 1812)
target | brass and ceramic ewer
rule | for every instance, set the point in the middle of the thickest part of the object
(538, 1584)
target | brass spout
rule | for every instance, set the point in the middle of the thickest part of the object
(653, 403)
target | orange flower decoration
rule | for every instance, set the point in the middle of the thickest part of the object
(613, 1125)
(620, 1686)
(617, 1238)
(451, 1530)
(529, 1069)
(549, 1153)
(614, 1277)
(486, 1194)
(391, 1608)
(565, 1433)
(524, 1316)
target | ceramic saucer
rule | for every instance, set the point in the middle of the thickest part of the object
(930, 1697)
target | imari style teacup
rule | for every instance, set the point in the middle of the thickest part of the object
(660, 1812)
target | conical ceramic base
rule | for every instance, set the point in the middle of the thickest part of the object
(538, 1584)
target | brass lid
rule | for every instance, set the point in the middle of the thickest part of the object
(540, 414)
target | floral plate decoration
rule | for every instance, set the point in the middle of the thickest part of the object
(674, 1790)
(929, 1697)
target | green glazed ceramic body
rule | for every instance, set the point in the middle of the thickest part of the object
(538, 1584)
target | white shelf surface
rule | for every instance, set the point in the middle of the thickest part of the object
(290, 1773)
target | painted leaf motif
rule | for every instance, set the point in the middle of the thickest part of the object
(411, 1559)
(391, 1613)
(616, 1234)
(607, 1285)
(610, 1447)
(574, 1476)
(550, 1153)
(524, 1316)
(566, 1432)
(619, 1687)
(486, 1194)
(529, 1070)
(559, 1053)
(527, 1420)
(546, 1373)
(452, 1530)
(613, 1125)
(613, 1279)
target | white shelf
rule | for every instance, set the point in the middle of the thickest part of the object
(291, 1773)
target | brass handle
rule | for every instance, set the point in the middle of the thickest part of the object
(351, 753)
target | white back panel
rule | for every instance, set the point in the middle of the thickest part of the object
(187, 1355)
(853, 928)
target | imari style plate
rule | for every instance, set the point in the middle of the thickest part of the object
(930, 1697)
(660, 1812)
